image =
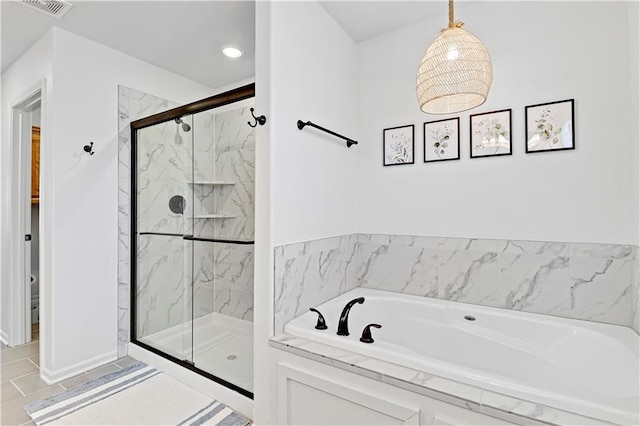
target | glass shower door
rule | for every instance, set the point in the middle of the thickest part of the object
(192, 245)
(223, 254)
(164, 266)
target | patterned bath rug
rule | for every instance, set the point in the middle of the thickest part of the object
(136, 395)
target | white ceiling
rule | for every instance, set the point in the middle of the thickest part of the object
(186, 36)
(181, 36)
(363, 21)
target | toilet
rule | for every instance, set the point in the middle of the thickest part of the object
(35, 299)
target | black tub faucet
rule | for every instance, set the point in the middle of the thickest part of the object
(343, 324)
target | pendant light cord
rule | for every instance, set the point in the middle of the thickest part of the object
(452, 22)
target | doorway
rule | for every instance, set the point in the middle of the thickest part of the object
(34, 281)
(23, 221)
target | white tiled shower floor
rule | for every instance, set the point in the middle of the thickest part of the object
(222, 346)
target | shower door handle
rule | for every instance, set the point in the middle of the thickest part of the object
(216, 240)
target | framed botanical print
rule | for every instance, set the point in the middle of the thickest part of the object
(550, 126)
(442, 140)
(398, 145)
(490, 133)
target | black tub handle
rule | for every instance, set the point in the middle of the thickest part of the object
(366, 333)
(321, 325)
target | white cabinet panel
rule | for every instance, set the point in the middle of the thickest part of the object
(308, 399)
(313, 393)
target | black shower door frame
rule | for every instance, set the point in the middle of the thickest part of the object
(231, 96)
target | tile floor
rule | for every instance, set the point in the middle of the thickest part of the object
(21, 383)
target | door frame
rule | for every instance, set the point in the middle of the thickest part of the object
(17, 214)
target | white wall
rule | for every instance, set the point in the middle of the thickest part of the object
(83, 190)
(25, 75)
(263, 248)
(36, 116)
(314, 176)
(306, 181)
(541, 51)
(634, 113)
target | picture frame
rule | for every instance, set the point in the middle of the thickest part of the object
(441, 140)
(398, 145)
(550, 126)
(490, 134)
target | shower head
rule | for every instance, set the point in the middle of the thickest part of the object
(185, 126)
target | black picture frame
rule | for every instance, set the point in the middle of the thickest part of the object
(400, 138)
(549, 133)
(499, 131)
(430, 149)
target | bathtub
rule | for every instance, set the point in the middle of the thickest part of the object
(579, 366)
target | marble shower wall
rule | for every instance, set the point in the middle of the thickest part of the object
(132, 105)
(224, 152)
(201, 170)
(234, 280)
(596, 282)
(165, 169)
(310, 273)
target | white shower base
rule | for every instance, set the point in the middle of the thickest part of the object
(222, 346)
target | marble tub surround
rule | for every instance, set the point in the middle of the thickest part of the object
(582, 281)
(595, 282)
(132, 105)
(310, 273)
(602, 279)
(494, 404)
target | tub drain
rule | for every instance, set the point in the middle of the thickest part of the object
(232, 357)
(469, 318)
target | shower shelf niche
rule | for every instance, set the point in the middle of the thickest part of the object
(213, 216)
(213, 182)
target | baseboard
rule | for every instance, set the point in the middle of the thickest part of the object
(228, 397)
(52, 377)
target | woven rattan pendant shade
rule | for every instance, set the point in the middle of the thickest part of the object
(455, 73)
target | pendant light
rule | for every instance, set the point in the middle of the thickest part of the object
(455, 73)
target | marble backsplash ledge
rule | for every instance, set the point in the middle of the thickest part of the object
(595, 282)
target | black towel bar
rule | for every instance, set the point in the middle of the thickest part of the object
(349, 141)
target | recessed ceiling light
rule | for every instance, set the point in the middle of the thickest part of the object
(232, 52)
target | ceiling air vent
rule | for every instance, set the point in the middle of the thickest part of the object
(55, 8)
